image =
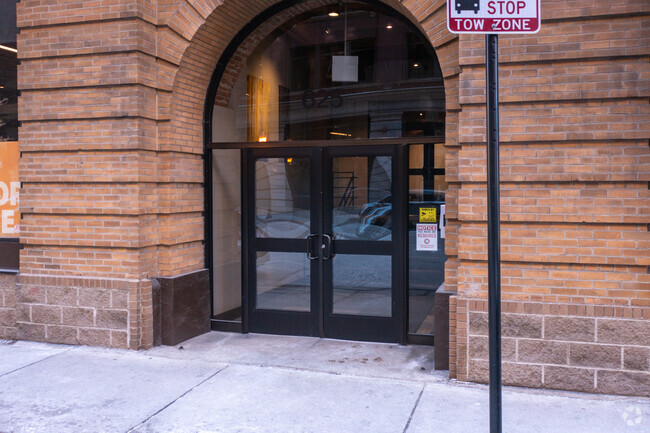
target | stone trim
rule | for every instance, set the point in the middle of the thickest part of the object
(570, 348)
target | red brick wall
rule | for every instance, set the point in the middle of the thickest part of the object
(575, 166)
(90, 171)
(112, 109)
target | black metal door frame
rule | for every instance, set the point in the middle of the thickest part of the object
(359, 327)
(272, 321)
(321, 321)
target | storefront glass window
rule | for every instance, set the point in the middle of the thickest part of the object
(426, 243)
(9, 154)
(226, 235)
(361, 74)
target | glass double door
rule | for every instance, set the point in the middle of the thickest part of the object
(322, 242)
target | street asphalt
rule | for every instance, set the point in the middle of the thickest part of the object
(221, 382)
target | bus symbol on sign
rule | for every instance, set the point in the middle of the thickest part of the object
(467, 5)
(493, 16)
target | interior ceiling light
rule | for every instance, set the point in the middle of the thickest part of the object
(333, 14)
(4, 47)
(389, 26)
(415, 65)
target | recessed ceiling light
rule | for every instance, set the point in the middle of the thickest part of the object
(415, 65)
(389, 26)
(333, 14)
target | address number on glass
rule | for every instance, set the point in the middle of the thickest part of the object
(321, 99)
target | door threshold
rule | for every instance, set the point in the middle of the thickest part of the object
(237, 327)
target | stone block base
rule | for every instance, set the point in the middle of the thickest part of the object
(106, 312)
(8, 329)
(568, 347)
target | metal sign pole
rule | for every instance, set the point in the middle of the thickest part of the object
(494, 243)
(484, 17)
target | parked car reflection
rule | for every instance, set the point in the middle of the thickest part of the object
(376, 217)
(294, 225)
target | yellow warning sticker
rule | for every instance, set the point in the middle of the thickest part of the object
(428, 215)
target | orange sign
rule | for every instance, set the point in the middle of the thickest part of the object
(9, 190)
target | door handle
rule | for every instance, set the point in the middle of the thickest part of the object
(310, 247)
(326, 247)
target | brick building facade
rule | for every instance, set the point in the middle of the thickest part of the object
(112, 97)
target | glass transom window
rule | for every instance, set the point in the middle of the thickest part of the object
(345, 71)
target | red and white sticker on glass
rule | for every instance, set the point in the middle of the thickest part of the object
(493, 16)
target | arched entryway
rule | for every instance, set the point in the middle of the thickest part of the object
(325, 175)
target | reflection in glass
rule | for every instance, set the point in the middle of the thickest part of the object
(439, 183)
(439, 152)
(426, 276)
(226, 234)
(416, 156)
(362, 74)
(426, 268)
(282, 197)
(362, 285)
(362, 200)
(8, 75)
(283, 281)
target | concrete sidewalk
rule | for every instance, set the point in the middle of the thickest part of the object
(222, 382)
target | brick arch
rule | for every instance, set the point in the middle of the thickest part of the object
(185, 129)
(246, 48)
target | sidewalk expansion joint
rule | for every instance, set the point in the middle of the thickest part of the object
(415, 406)
(135, 427)
(35, 362)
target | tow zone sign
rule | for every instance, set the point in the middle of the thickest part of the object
(493, 16)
